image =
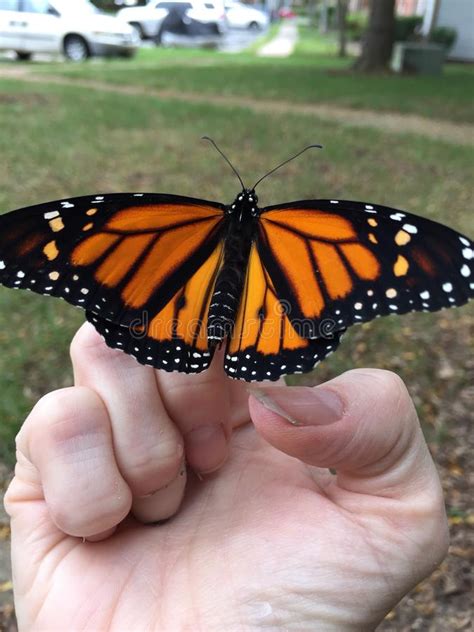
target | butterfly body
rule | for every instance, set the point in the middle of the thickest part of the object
(168, 278)
(241, 219)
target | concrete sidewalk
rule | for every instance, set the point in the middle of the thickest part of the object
(283, 44)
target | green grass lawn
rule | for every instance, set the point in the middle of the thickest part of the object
(63, 141)
(313, 74)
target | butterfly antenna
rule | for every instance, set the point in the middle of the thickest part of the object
(286, 162)
(225, 158)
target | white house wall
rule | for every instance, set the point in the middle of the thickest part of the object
(459, 14)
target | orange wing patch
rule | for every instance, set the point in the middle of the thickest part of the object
(170, 251)
(362, 261)
(143, 247)
(185, 316)
(156, 218)
(262, 323)
(122, 258)
(313, 224)
(318, 254)
(333, 270)
(92, 248)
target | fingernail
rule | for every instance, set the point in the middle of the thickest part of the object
(206, 448)
(302, 405)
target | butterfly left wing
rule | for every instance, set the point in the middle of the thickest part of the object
(115, 255)
(175, 337)
(264, 344)
(142, 265)
(349, 262)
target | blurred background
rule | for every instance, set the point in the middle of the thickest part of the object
(114, 96)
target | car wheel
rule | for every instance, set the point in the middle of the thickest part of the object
(22, 56)
(139, 29)
(254, 26)
(158, 39)
(76, 48)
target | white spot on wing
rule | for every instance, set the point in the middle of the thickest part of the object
(409, 228)
(397, 216)
(51, 215)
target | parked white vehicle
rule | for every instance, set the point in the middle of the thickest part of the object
(147, 20)
(241, 16)
(75, 28)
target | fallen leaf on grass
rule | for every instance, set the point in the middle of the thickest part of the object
(4, 532)
(466, 554)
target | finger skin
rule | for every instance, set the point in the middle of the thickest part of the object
(385, 478)
(375, 442)
(148, 446)
(162, 504)
(66, 458)
(199, 405)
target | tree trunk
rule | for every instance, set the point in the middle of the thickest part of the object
(379, 37)
(342, 6)
(323, 17)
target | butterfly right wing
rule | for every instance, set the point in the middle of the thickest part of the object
(351, 262)
(264, 344)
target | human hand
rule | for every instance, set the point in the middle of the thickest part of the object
(272, 541)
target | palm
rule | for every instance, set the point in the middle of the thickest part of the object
(244, 542)
(268, 542)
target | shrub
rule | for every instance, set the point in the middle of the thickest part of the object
(406, 26)
(356, 24)
(443, 35)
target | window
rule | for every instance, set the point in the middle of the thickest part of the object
(35, 6)
(8, 5)
(173, 5)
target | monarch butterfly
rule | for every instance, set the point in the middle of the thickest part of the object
(168, 278)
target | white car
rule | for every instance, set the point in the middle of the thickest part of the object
(241, 16)
(75, 28)
(147, 20)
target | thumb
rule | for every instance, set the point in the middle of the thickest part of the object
(363, 424)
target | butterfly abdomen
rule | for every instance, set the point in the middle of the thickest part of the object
(230, 281)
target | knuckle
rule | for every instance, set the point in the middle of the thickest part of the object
(389, 383)
(88, 517)
(149, 469)
(427, 515)
(59, 417)
(47, 412)
(387, 386)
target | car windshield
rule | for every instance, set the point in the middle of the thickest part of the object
(74, 6)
